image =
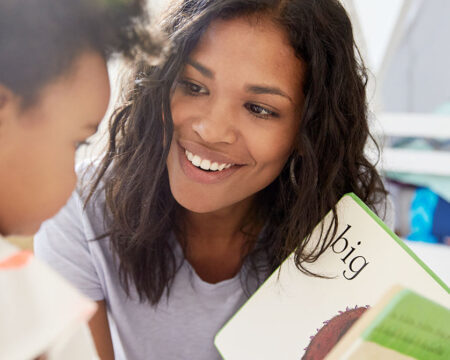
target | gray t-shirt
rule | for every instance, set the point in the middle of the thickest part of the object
(180, 328)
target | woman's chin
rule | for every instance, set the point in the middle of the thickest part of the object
(198, 206)
(198, 202)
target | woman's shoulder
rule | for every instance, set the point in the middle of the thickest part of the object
(90, 193)
(87, 174)
(71, 242)
(83, 216)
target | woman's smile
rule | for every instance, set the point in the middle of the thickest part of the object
(206, 169)
(202, 164)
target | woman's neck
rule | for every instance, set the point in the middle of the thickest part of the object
(223, 226)
(215, 243)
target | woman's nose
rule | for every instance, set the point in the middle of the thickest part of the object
(216, 125)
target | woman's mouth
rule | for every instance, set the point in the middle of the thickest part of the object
(206, 164)
(203, 170)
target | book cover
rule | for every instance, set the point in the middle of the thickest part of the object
(296, 316)
(402, 325)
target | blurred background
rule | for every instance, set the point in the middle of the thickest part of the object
(405, 46)
(404, 43)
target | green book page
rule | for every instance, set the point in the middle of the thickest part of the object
(414, 326)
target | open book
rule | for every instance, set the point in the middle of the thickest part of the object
(293, 316)
(403, 325)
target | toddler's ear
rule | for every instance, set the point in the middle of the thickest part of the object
(9, 111)
(3, 96)
(6, 96)
(8, 102)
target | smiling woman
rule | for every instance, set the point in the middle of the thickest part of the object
(220, 164)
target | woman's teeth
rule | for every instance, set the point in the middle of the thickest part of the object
(206, 164)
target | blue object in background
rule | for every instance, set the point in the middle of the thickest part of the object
(423, 208)
(441, 221)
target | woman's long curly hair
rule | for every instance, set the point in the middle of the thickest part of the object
(328, 159)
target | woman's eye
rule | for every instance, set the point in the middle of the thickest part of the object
(260, 111)
(191, 88)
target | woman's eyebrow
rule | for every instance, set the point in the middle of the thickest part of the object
(272, 90)
(255, 89)
(201, 68)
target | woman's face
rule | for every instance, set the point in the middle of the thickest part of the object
(37, 144)
(236, 110)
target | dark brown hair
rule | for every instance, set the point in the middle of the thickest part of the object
(40, 39)
(328, 159)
